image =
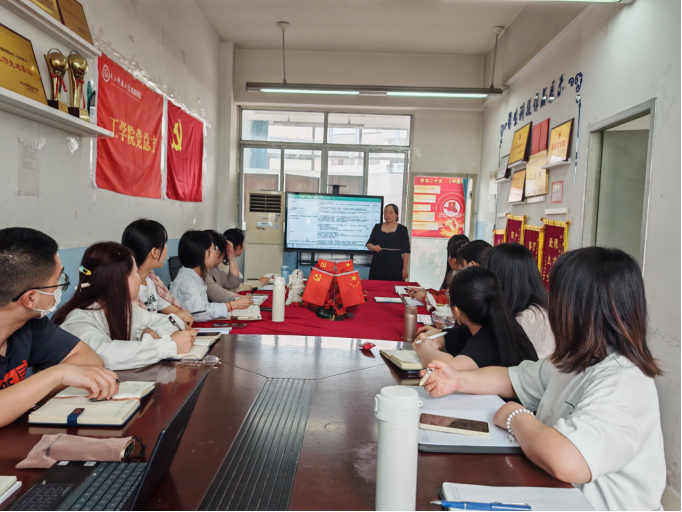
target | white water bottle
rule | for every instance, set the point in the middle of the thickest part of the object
(278, 300)
(397, 409)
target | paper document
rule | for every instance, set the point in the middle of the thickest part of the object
(402, 290)
(539, 498)
(258, 299)
(14, 487)
(425, 319)
(409, 301)
(391, 300)
(221, 330)
(267, 287)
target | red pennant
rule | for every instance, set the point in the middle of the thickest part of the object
(327, 266)
(350, 289)
(184, 152)
(317, 287)
(344, 266)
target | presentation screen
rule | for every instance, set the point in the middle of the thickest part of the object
(331, 223)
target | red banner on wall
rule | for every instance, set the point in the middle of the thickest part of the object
(498, 237)
(438, 208)
(554, 245)
(532, 239)
(184, 155)
(129, 162)
(515, 228)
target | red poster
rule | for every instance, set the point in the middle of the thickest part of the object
(553, 247)
(438, 207)
(531, 239)
(184, 155)
(129, 162)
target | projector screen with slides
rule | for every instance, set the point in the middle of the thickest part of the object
(331, 223)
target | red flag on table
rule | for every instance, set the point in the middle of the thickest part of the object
(327, 266)
(350, 289)
(317, 287)
(344, 266)
(184, 152)
(128, 162)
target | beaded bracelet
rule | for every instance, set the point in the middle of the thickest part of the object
(509, 418)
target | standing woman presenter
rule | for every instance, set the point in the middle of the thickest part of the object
(390, 244)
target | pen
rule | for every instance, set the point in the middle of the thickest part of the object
(472, 505)
(432, 337)
(425, 377)
(172, 320)
(197, 312)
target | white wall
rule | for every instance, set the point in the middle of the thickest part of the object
(173, 42)
(628, 54)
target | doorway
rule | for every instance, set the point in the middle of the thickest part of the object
(616, 201)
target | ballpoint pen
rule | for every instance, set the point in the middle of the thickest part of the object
(472, 505)
(175, 324)
(432, 337)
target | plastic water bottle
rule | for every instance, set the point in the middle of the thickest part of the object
(278, 300)
(285, 274)
(397, 409)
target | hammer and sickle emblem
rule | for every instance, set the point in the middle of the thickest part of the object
(176, 144)
(317, 277)
(323, 264)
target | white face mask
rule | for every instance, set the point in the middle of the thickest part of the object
(57, 297)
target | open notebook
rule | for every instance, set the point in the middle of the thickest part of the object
(470, 407)
(539, 498)
(403, 359)
(197, 352)
(126, 389)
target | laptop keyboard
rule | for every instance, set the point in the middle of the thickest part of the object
(108, 487)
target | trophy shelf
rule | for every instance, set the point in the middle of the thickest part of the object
(34, 15)
(556, 164)
(30, 109)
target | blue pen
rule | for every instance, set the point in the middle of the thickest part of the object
(472, 505)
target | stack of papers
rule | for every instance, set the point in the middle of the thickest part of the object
(539, 498)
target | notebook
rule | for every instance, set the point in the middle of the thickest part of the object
(221, 330)
(126, 389)
(59, 411)
(250, 313)
(259, 298)
(403, 359)
(205, 341)
(539, 498)
(470, 407)
(196, 353)
(409, 301)
(425, 319)
(402, 290)
(8, 486)
(391, 300)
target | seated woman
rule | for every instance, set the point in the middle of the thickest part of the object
(147, 239)
(235, 248)
(598, 423)
(197, 255)
(524, 293)
(440, 296)
(488, 334)
(474, 253)
(101, 313)
(452, 267)
(218, 283)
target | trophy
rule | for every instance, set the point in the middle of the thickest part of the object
(57, 64)
(78, 67)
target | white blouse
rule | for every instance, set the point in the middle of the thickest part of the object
(610, 413)
(190, 290)
(91, 326)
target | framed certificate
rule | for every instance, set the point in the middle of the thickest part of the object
(503, 170)
(73, 17)
(49, 6)
(520, 149)
(18, 68)
(517, 186)
(560, 142)
(536, 177)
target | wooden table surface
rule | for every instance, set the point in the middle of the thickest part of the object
(337, 462)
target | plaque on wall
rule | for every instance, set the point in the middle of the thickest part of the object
(73, 17)
(503, 170)
(560, 142)
(520, 149)
(536, 177)
(49, 6)
(517, 186)
(18, 68)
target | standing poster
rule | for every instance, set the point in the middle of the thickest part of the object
(184, 154)
(130, 161)
(438, 207)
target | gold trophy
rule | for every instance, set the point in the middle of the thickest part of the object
(57, 65)
(78, 67)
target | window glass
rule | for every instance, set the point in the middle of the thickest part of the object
(346, 168)
(282, 126)
(302, 169)
(369, 129)
(386, 171)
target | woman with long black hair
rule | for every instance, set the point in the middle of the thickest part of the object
(102, 314)
(488, 334)
(524, 293)
(218, 282)
(597, 423)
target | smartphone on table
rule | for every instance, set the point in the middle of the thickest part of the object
(454, 425)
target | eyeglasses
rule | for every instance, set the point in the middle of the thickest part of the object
(62, 284)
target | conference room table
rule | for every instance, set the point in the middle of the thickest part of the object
(332, 449)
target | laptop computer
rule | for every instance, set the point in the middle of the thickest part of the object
(70, 485)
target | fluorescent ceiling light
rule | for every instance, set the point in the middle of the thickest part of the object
(437, 94)
(310, 91)
(372, 90)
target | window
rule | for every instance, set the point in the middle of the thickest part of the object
(386, 177)
(302, 170)
(346, 168)
(281, 126)
(369, 129)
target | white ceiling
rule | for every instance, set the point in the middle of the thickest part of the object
(385, 26)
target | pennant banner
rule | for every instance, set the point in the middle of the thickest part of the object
(317, 287)
(350, 289)
(184, 155)
(130, 162)
(515, 228)
(554, 245)
(344, 266)
(327, 266)
(533, 237)
(498, 236)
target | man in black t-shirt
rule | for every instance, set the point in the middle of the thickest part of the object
(31, 282)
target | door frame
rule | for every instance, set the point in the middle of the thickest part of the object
(590, 206)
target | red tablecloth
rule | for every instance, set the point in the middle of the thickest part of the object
(372, 320)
